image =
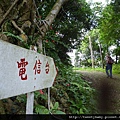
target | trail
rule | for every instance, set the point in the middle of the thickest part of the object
(108, 90)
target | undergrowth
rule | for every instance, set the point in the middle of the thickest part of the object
(69, 95)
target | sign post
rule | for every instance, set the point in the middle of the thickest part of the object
(30, 102)
(24, 71)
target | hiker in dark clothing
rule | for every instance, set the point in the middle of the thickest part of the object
(109, 62)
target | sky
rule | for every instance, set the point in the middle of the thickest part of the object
(96, 0)
(103, 1)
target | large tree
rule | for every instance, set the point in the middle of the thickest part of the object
(72, 22)
(110, 28)
(27, 22)
(22, 18)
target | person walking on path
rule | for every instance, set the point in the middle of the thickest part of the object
(109, 62)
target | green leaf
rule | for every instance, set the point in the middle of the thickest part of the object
(39, 109)
(56, 105)
(59, 112)
(12, 35)
(81, 111)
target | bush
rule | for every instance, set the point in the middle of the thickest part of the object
(71, 93)
(116, 68)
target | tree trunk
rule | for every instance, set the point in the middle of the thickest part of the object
(91, 51)
(49, 20)
(100, 48)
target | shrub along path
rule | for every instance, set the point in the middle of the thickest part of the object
(108, 91)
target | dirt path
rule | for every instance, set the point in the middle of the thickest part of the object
(108, 90)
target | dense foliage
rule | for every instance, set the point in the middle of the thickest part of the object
(70, 25)
(69, 94)
(102, 38)
(73, 95)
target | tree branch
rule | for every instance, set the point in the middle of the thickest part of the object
(4, 16)
(15, 25)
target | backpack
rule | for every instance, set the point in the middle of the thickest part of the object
(110, 61)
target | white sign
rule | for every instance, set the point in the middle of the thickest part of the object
(23, 71)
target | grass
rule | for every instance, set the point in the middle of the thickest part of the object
(115, 69)
(89, 69)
